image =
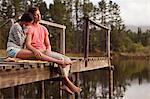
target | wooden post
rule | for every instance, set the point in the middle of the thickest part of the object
(60, 91)
(77, 84)
(109, 63)
(110, 82)
(42, 94)
(86, 40)
(62, 50)
(108, 45)
(62, 41)
(16, 92)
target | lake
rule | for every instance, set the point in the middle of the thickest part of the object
(131, 81)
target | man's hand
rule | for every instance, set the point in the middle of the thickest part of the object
(48, 51)
(37, 54)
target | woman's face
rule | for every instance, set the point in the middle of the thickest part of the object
(37, 16)
(28, 23)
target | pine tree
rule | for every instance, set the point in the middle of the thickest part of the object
(102, 11)
(6, 10)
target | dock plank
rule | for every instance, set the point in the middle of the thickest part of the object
(13, 78)
(93, 63)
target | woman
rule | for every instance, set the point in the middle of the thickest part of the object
(17, 35)
(38, 42)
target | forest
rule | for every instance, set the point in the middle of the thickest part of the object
(70, 13)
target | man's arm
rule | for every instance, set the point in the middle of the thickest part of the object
(36, 52)
(47, 44)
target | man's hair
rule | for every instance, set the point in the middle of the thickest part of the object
(33, 9)
(27, 17)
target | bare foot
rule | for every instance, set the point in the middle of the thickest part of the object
(68, 62)
(65, 88)
(78, 90)
(63, 66)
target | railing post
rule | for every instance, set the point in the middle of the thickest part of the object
(62, 41)
(108, 44)
(86, 41)
(110, 67)
(62, 50)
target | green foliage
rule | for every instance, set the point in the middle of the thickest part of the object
(4, 34)
(44, 10)
(6, 10)
(70, 13)
(136, 47)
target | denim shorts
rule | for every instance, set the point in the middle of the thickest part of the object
(12, 52)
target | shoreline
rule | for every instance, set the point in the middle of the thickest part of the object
(114, 55)
(131, 56)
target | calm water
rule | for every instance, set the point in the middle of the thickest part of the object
(131, 81)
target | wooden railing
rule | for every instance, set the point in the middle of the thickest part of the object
(62, 35)
(86, 44)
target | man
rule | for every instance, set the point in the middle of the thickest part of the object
(38, 42)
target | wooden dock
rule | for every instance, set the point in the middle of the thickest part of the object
(28, 71)
(21, 72)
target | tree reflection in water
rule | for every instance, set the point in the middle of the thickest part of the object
(94, 84)
(128, 70)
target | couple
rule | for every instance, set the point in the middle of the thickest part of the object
(28, 32)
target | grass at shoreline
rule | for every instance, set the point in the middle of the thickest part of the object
(115, 55)
(131, 55)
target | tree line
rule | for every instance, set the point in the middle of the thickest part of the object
(71, 13)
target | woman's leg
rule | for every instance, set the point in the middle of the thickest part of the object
(25, 54)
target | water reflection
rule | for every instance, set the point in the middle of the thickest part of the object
(131, 81)
(127, 73)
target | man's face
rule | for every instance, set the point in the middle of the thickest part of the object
(37, 16)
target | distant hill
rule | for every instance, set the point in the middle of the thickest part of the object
(135, 28)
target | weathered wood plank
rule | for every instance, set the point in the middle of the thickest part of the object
(93, 63)
(53, 24)
(13, 78)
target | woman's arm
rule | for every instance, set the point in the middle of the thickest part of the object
(17, 35)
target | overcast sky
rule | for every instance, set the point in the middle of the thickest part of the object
(133, 12)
